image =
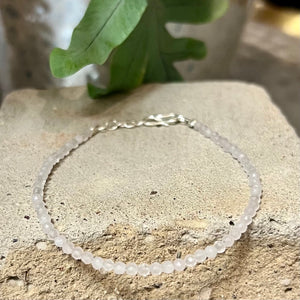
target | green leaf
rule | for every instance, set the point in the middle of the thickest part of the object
(105, 25)
(193, 11)
(148, 54)
(128, 67)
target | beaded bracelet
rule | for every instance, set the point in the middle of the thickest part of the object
(155, 268)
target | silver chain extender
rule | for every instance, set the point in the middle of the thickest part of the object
(150, 121)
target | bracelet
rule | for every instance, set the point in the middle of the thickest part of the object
(155, 268)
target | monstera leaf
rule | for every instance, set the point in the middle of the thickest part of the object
(105, 25)
(148, 52)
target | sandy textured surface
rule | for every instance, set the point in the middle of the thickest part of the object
(149, 194)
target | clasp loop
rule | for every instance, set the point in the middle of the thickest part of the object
(162, 120)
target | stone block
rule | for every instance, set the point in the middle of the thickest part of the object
(149, 194)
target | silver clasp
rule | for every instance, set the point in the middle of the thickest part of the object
(150, 121)
(162, 120)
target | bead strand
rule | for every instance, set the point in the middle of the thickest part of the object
(156, 268)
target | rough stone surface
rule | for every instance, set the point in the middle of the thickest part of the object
(149, 194)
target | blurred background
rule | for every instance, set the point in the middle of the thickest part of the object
(255, 41)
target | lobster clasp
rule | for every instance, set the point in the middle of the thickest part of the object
(162, 120)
